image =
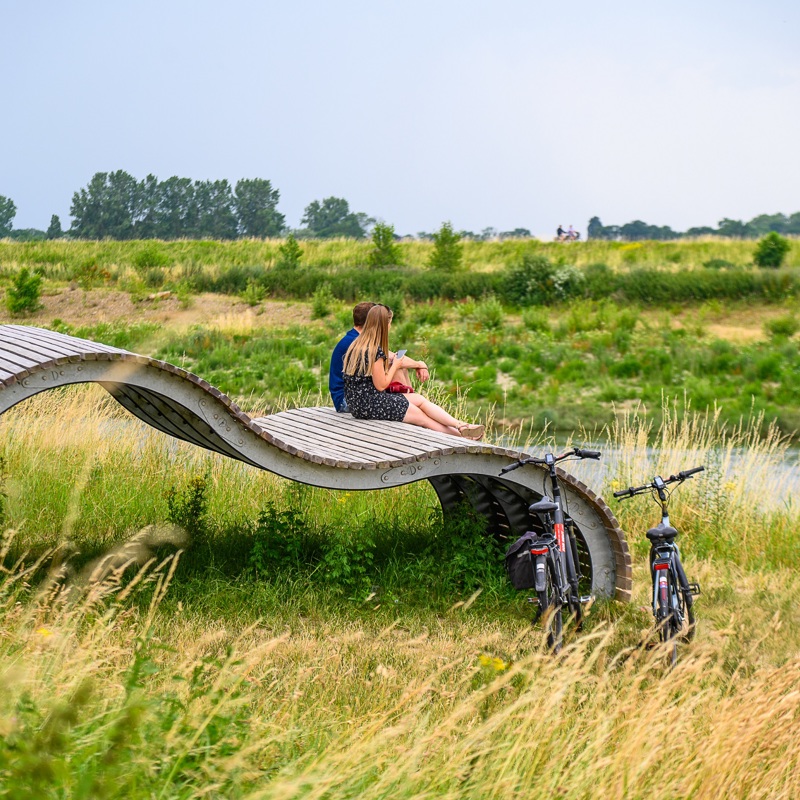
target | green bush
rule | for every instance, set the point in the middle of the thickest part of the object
(489, 313)
(289, 254)
(151, 255)
(535, 280)
(771, 250)
(718, 263)
(448, 252)
(322, 302)
(385, 252)
(786, 326)
(23, 295)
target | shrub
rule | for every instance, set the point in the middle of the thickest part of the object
(489, 313)
(151, 255)
(447, 252)
(396, 301)
(289, 254)
(771, 250)
(321, 302)
(88, 273)
(718, 263)
(385, 252)
(536, 281)
(782, 326)
(23, 295)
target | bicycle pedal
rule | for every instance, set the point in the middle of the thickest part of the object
(533, 600)
(694, 589)
(587, 598)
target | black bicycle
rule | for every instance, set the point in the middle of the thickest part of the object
(548, 561)
(673, 595)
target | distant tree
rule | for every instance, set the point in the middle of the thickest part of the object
(332, 217)
(106, 207)
(767, 223)
(177, 213)
(28, 235)
(54, 229)
(639, 231)
(215, 215)
(385, 252)
(8, 211)
(702, 231)
(517, 233)
(793, 225)
(448, 250)
(732, 227)
(595, 229)
(256, 205)
(771, 250)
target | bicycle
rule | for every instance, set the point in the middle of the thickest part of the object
(548, 561)
(673, 595)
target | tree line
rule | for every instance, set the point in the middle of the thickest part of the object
(115, 205)
(732, 228)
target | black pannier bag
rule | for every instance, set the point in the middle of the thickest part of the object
(519, 563)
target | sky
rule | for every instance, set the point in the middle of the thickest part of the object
(507, 114)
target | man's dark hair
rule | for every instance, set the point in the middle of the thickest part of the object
(360, 314)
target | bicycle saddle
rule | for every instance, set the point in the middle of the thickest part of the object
(663, 533)
(543, 506)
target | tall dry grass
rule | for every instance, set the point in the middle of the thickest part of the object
(115, 683)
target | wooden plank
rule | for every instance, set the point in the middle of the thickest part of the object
(83, 345)
(10, 356)
(291, 433)
(344, 444)
(31, 345)
(400, 436)
(331, 457)
(422, 436)
(352, 440)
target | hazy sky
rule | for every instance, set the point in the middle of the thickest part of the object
(513, 113)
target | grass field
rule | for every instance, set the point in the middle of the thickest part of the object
(177, 625)
(367, 657)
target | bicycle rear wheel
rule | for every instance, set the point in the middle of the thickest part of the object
(685, 603)
(550, 609)
(667, 617)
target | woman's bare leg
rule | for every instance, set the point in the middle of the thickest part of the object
(415, 416)
(433, 411)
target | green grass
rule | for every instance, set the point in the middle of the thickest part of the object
(245, 661)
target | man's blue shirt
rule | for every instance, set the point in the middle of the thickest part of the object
(335, 379)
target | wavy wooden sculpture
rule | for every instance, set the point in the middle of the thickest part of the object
(316, 446)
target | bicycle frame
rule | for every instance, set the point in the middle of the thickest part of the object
(555, 551)
(672, 592)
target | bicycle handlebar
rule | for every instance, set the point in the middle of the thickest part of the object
(576, 452)
(631, 491)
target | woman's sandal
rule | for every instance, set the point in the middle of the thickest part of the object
(468, 431)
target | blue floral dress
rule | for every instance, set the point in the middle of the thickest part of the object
(364, 401)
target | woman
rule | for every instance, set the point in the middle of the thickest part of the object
(367, 373)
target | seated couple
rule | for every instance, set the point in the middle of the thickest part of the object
(363, 367)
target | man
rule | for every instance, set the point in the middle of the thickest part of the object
(335, 379)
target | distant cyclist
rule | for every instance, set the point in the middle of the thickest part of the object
(561, 234)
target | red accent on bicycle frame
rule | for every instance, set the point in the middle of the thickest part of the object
(558, 528)
(661, 565)
(542, 552)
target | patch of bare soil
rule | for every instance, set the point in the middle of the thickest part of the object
(78, 307)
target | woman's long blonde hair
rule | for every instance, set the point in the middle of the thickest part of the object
(361, 354)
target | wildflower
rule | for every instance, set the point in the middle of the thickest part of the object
(45, 632)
